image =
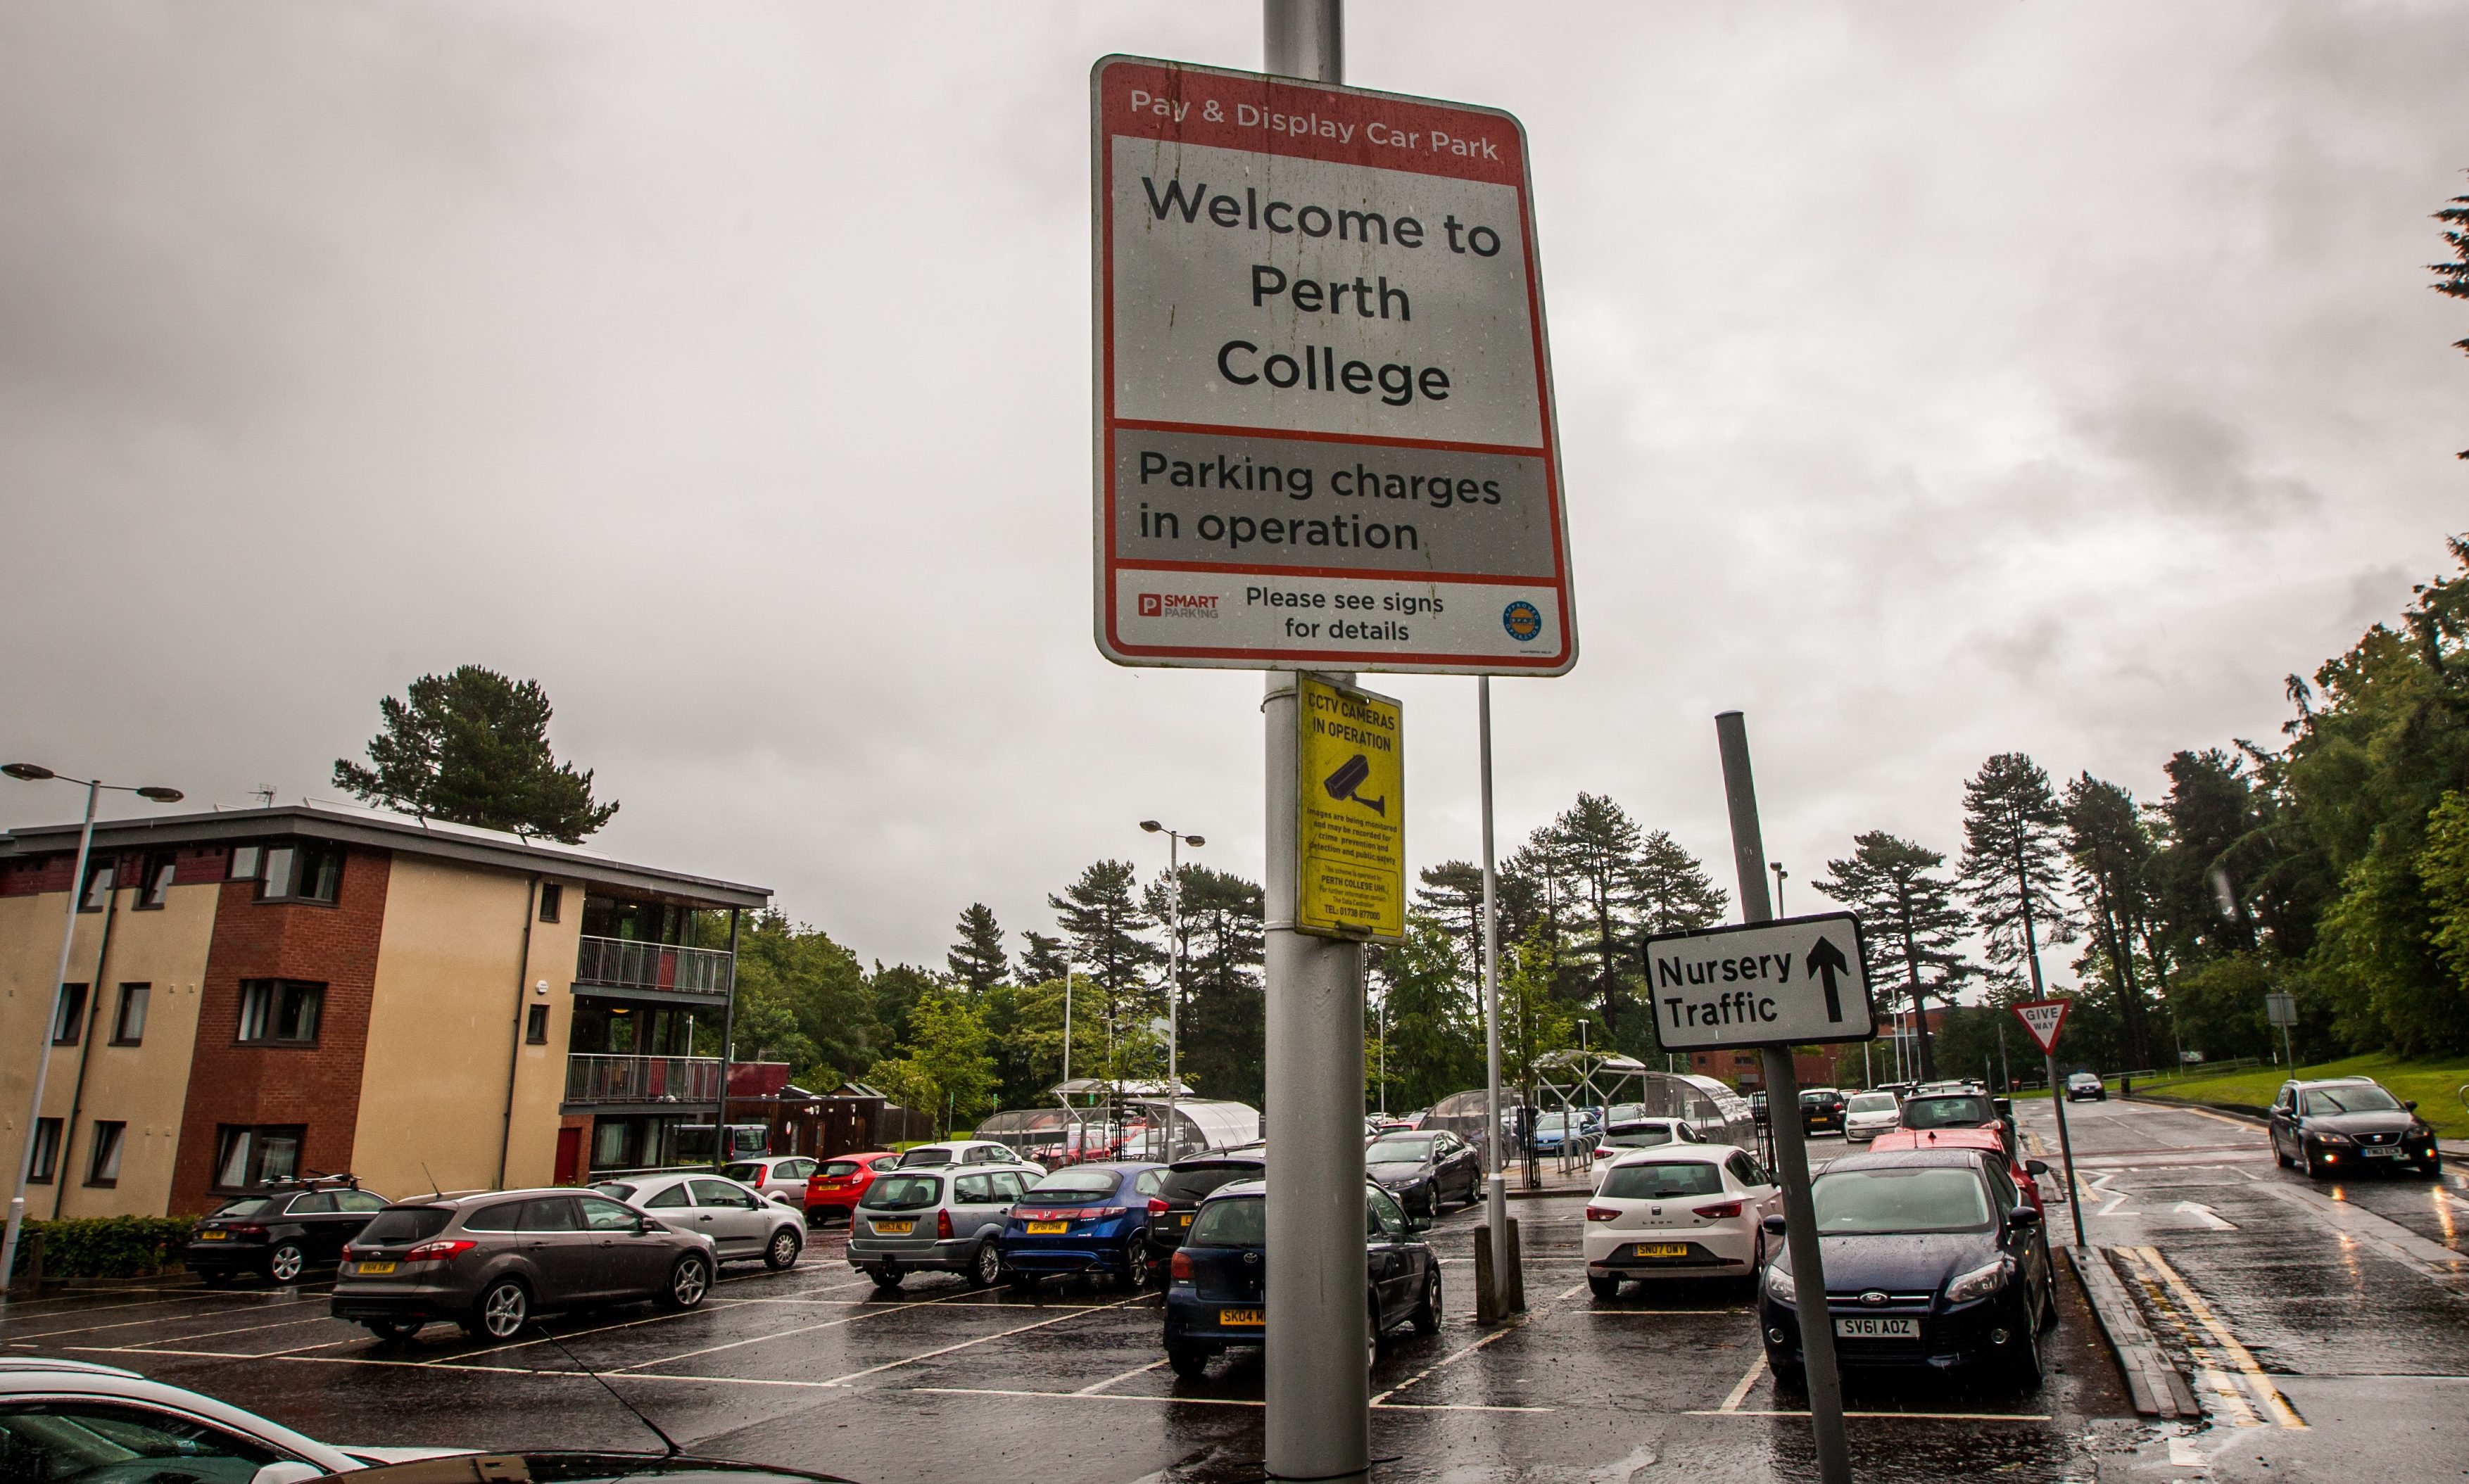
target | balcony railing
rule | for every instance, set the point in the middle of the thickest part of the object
(591, 1078)
(651, 966)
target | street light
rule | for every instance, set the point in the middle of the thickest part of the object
(35, 773)
(1780, 873)
(1174, 842)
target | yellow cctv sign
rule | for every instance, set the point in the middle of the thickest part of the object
(1351, 880)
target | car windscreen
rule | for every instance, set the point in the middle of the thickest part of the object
(1642, 1137)
(406, 1223)
(1397, 1152)
(247, 1205)
(1183, 1187)
(1947, 1112)
(616, 1190)
(1073, 1187)
(1663, 1180)
(1931, 1198)
(924, 1158)
(1236, 1222)
(903, 1193)
(2324, 1101)
(1871, 1103)
(839, 1169)
(743, 1173)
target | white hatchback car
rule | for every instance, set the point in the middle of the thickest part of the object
(1871, 1114)
(1631, 1134)
(959, 1151)
(1684, 1211)
(60, 1419)
(779, 1177)
(741, 1223)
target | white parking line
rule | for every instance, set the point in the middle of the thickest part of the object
(1741, 1391)
(893, 1365)
(803, 1329)
(130, 1324)
(1138, 1370)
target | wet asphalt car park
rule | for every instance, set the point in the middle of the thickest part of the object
(2335, 1297)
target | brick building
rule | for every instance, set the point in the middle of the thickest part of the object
(255, 993)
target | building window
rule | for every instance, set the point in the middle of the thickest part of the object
(246, 861)
(43, 1160)
(302, 871)
(279, 1011)
(69, 1016)
(128, 1027)
(552, 901)
(97, 887)
(102, 1166)
(249, 1158)
(154, 887)
(535, 1025)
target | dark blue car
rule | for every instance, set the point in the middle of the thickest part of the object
(1084, 1219)
(1217, 1301)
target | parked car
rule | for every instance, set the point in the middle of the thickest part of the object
(1423, 1170)
(1085, 1219)
(781, 1177)
(1190, 1181)
(1821, 1111)
(742, 1224)
(1624, 1138)
(959, 1152)
(2085, 1087)
(75, 1420)
(1552, 1129)
(939, 1219)
(1684, 1211)
(2349, 1123)
(834, 1188)
(1215, 1302)
(281, 1232)
(1934, 1263)
(491, 1262)
(1868, 1114)
(2024, 1173)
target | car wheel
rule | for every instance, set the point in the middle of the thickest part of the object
(2314, 1167)
(1135, 1274)
(782, 1252)
(2026, 1361)
(1604, 1286)
(688, 1282)
(985, 1266)
(283, 1265)
(503, 1309)
(886, 1280)
(394, 1328)
(1189, 1361)
(1427, 1313)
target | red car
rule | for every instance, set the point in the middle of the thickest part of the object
(834, 1187)
(2022, 1172)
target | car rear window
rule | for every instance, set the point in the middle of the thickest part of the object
(247, 1205)
(751, 1174)
(1873, 1102)
(903, 1193)
(407, 1224)
(616, 1189)
(1947, 1112)
(840, 1169)
(1662, 1181)
(924, 1158)
(1647, 1137)
(1189, 1185)
(1071, 1187)
(1236, 1222)
(1933, 1198)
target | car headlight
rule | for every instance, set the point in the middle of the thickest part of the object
(1981, 1282)
(2326, 1137)
(1779, 1283)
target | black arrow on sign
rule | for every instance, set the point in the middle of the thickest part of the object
(1826, 961)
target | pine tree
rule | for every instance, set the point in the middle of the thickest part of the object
(2012, 860)
(1042, 960)
(2453, 278)
(471, 747)
(1907, 908)
(2111, 847)
(977, 958)
(1223, 1021)
(1451, 896)
(1104, 920)
(1594, 848)
(1435, 1024)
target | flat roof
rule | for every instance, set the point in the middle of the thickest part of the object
(383, 830)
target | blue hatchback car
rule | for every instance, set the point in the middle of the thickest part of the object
(1084, 1219)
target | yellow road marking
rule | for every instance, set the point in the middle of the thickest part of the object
(2257, 1382)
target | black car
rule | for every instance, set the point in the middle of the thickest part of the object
(2328, 1128)
(1423, 1170)
(1936, 1264)
(1214, 1298)
(279, 1232)
(1821, 1111)
(1187, 1183)
(2085, 1087)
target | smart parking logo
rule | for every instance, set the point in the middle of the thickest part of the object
(1523, 621)
(1178, 605)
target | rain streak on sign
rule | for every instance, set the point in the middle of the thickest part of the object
(1352, 832)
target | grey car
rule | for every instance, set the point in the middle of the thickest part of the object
(490, 1262)
(941, 1218)
(739, 1223)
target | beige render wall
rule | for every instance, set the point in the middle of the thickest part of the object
(539, 1081)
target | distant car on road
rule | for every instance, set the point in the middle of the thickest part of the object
(941, 1218)
(1868, 1114)
(834, 1188)
(1821, 1111)
(742, 1224)
(1215, 1301)
(1423, 1170)
(2335, 1125)
(1084, 1219)
(65, 1420)
(491, 1262)
(2085, 1087)
(280, 1233)
(781, 1177)
(1686, 1211)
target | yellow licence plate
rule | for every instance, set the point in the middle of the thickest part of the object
(1241, 1316)
(1048, 1228)
(214, 1236)
(894, 1229)
(372, 1269)
(1661, 1249)
(1187, 1218)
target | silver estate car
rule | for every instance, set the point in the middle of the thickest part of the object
(942, 1219)
(490, 1262)
(739, 1223)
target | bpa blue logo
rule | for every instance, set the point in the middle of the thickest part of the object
(1522, 620)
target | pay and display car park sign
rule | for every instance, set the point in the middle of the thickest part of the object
(1803, 981)
(1324, 433)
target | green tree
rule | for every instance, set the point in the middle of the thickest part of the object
(1907, 908)
(766, 1029)
(895, 991)
(1452, 895)
(1534, 1017)
(1224, 1016)
(944, 1068)
(1031, 1049)
(1594, 848)
(2111, 847)
(2453, 278)
(1103, 917)
(1434, 1026)
(977, 958)
(471, 747)
(2012, 834)
(1041, 960)
(821, 988)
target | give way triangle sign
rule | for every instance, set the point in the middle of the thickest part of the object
(2042, 1018)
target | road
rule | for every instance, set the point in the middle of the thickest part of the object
(2330, 1295)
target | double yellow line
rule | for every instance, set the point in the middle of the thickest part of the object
(2221, 1362)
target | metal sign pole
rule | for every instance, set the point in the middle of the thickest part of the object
(1783, 1121)
(1495, 1183)
(2066, 1147)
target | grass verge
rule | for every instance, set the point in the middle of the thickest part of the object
(2434, 1085)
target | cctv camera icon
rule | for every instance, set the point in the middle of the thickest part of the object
(1350, 776)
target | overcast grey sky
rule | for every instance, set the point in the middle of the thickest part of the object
(1936, 379)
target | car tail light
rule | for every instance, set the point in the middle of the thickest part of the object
(943, 1224)
(246, 1229)
(1157, 1205)
(1600, 1213)
(439, 1252)
(1109, 1211)
(1180, 1268)
(1719, 1210)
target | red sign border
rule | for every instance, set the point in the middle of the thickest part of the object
(2055, 1031)
(1519, 177)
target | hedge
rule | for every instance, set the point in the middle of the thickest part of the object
(104, 1246)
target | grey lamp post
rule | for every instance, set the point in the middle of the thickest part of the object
(36, 773)
(1174, 842)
